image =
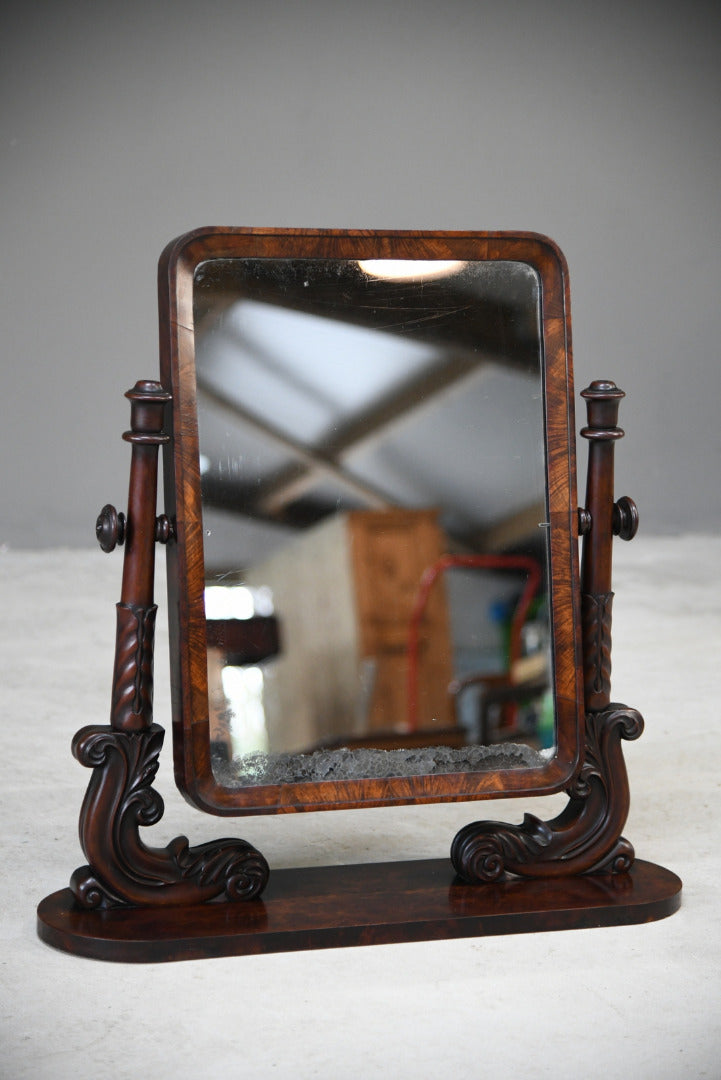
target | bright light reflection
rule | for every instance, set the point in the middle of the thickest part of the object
(409, 269)
(237, 602)
(243, 689)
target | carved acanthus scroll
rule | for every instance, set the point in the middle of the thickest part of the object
(121, 868)
(584, 838)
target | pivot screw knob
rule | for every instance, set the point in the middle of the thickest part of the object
(625, 518)
(110, 528)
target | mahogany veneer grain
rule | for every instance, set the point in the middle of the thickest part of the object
(368, 904)
(185, 556)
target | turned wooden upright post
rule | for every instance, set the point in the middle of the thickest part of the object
(586, 835)
(599, 521)
(132, 697)
(121, 870)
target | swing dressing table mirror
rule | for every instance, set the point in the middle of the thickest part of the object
(374, 598)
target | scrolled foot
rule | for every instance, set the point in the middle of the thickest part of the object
(485, 850)
(584, 838)
(122, 870)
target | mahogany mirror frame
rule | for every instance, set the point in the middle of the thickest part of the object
(135, 903)
(186, 578)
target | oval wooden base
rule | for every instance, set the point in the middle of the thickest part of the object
(374, 904)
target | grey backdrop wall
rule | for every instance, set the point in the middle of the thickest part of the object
(125, 125)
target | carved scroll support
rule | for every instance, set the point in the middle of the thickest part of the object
(122, 870)
(586, 836)
(120, 798)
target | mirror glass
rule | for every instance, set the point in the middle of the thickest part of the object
(375, 524)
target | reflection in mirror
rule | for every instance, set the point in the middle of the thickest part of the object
(374, 510)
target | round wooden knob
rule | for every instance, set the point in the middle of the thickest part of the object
(163, 529)
(625, 518)
(110, 528)
(584, 521)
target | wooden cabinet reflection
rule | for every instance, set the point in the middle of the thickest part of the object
(344, 593)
